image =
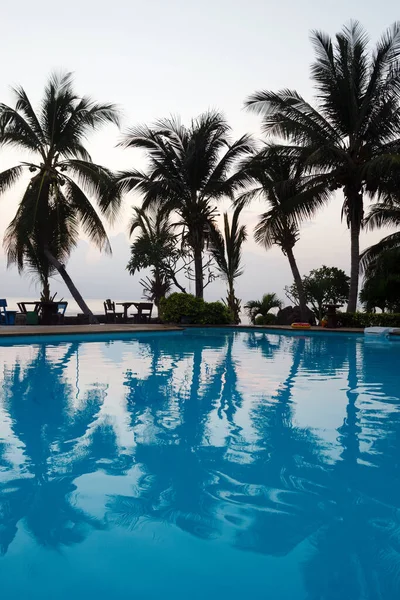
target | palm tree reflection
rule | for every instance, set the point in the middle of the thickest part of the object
(56, 447)
(169, 416)
(195, 483)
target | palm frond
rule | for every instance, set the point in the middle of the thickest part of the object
(219, 180)
(97, 181)
(9, 177)
(286, 114)
(217, 249)
(127, 181)
(383, 215)
(88, 218)
(370, 256)
(24, 105)
(17, 132)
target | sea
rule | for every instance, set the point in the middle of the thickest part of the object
(95, 304)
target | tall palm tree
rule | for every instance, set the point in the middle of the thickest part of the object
(278, 180)
(227, 252)
(189, 169)
(55, 203)
(262, 307)
(350, 140)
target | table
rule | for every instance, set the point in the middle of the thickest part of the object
(22, 306)
(46, 310)
(127, 305)
(332, 317)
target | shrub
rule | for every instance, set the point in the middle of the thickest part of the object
(268, 319)
(216, 313)
(176, 306)
(180, 308)
(360, 319)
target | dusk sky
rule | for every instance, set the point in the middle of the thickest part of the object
(181, 57)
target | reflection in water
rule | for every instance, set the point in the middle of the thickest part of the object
(278, 445)
(37, 399)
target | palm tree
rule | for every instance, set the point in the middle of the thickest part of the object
(381, 286)
(278, 181)
(227, 252)
(382, 215)
(188, 172)
(262, 307)
(31, 250)
(379, 262)
(155, 247)
(55, 203)
(351, 140)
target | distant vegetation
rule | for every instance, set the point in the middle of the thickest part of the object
(347, 141)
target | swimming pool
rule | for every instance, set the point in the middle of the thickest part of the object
(204, 464)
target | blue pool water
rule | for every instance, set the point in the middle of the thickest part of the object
(205, 464)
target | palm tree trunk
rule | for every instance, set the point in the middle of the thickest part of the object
(233, 303)
(198, 271)
(355, 266)
(46, 289)
(298, 282)
(71, 287)
(157, 281)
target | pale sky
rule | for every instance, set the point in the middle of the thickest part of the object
(158, 58)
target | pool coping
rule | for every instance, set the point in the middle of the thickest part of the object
(281, 328)
(50, 330)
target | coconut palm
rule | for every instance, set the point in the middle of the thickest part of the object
(262, 307)
(227, 252)
(31, 250)
(189, 170)
(55, 204)
(351, 140)
(277, 180)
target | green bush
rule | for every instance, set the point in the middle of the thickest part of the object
(176, 306)
(360, 319)
(268, 319)
(216, 313)
(185, 308)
